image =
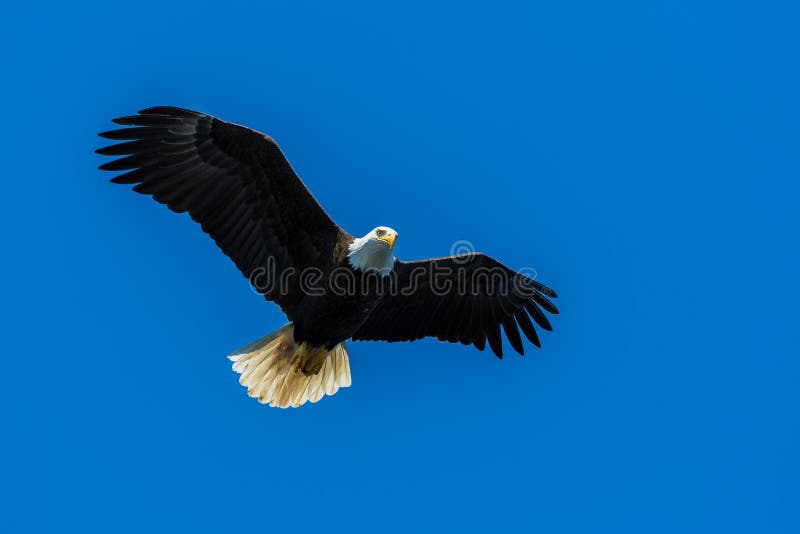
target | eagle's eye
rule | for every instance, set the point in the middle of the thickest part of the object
(380, 233)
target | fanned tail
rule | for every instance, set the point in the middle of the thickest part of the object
(279, 372)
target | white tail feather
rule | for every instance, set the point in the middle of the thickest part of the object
(272, 369)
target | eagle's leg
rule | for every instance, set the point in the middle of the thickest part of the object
(311, 359)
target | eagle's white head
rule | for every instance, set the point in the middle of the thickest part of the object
(374, 252)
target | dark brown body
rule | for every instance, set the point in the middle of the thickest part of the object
(335, 303)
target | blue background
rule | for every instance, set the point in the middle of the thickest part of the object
(642, 157)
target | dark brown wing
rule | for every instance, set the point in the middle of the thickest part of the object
(465, 298)
(236, 183)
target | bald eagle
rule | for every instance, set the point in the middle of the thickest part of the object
(236, 183)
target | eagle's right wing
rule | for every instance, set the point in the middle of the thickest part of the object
(235, 182)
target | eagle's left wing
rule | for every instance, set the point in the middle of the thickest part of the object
(464, 298)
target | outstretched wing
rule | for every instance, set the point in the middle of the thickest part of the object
(465, 299)
(235, 182)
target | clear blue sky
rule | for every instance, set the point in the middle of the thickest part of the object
(641, 156)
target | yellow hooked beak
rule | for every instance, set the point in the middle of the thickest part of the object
(388, 239)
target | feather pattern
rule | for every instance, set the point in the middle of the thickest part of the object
(272, 370)
(235, 182)
(466, 298)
